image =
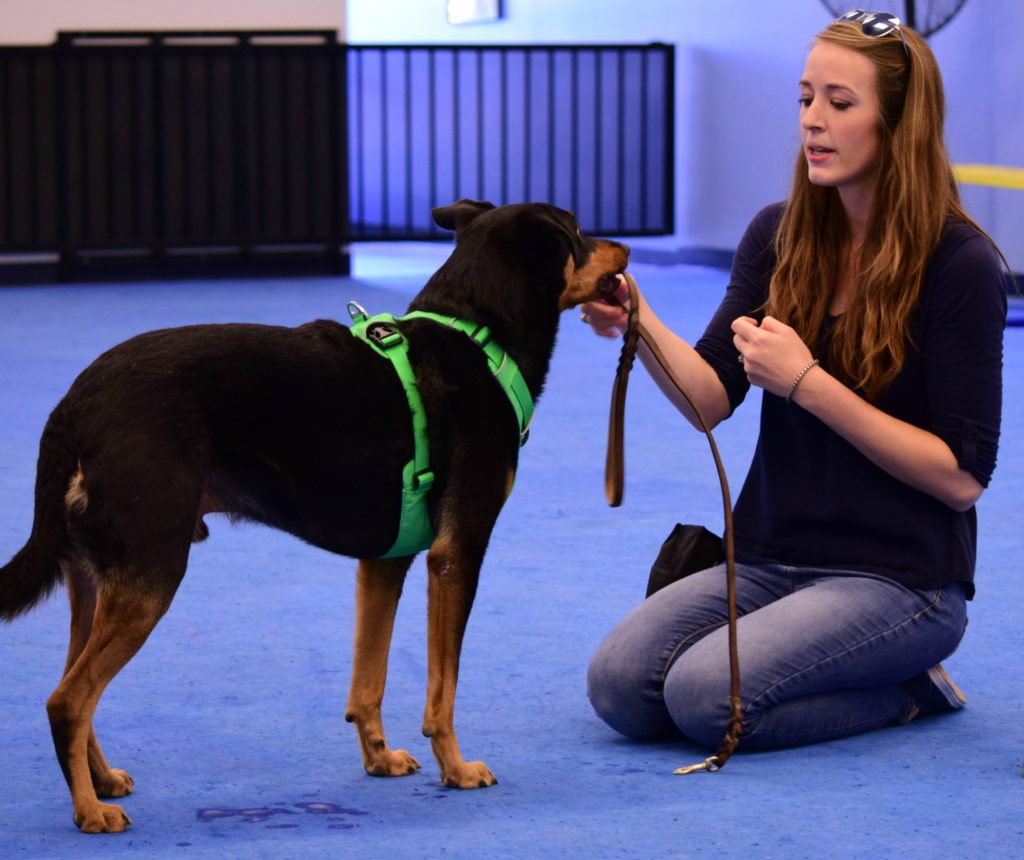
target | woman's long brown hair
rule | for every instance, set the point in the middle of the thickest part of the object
(915, 193)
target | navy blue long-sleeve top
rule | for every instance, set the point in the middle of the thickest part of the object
(810, 498)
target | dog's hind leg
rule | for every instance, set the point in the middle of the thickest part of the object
(124, 617)
(378, 589)
(453, 568)
(82, 594)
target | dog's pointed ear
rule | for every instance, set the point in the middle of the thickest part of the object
(459, 214)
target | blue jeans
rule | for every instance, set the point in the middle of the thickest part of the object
(823, 654)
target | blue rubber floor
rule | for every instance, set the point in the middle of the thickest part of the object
(231, 720)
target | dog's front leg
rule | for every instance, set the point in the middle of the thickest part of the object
(453, 576)
(378, 589)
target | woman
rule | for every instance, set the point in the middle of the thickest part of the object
(870, 310)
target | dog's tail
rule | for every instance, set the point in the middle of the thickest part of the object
(35, 571)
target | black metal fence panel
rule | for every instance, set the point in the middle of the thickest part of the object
(29, 173)
(169, 146)
(244, 146)
(200, 146)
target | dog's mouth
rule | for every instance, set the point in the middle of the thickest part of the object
(597, 278)
(607, 285)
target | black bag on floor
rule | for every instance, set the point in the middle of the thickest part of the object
(686, 550)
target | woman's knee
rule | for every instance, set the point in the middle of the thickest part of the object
(622, 694)
(697, 699)
(626, 675)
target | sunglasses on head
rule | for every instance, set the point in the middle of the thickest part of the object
(876, 24)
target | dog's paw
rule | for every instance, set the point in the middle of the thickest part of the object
(392, 763)
(102, 818)
(471, 774)
(114, 783)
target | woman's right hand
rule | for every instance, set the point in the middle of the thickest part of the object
(608, 319)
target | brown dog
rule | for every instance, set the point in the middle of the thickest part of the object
(306, 430)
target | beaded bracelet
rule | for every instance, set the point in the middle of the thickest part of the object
(799, 379)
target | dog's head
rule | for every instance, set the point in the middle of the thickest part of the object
(541, 240)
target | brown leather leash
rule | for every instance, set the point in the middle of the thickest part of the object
(614, 479)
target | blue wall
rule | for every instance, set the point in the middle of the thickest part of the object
(738, 62)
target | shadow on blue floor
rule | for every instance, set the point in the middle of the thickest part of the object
(231, 717)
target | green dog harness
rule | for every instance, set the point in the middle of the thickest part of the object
(380, 332)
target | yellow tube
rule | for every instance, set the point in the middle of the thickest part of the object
(990, 174)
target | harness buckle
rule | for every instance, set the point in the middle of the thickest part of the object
(423, 480)
(384, 335)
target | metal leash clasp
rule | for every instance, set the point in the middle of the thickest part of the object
(710, 764)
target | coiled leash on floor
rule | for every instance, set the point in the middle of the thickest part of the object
(614, 478)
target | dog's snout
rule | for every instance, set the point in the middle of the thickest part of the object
(613, 244)
(619, 253)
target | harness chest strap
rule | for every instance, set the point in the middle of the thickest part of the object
(380, 332)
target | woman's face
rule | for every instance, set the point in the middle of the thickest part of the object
(839, 120)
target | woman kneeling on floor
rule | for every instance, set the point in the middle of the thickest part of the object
(870, 309)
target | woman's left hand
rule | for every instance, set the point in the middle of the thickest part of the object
(773, 356)
(772, 353)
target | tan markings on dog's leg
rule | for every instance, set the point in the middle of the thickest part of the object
(81, 584)
(76, 499)
(122, 621)
(378, 589)
(450, 595)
